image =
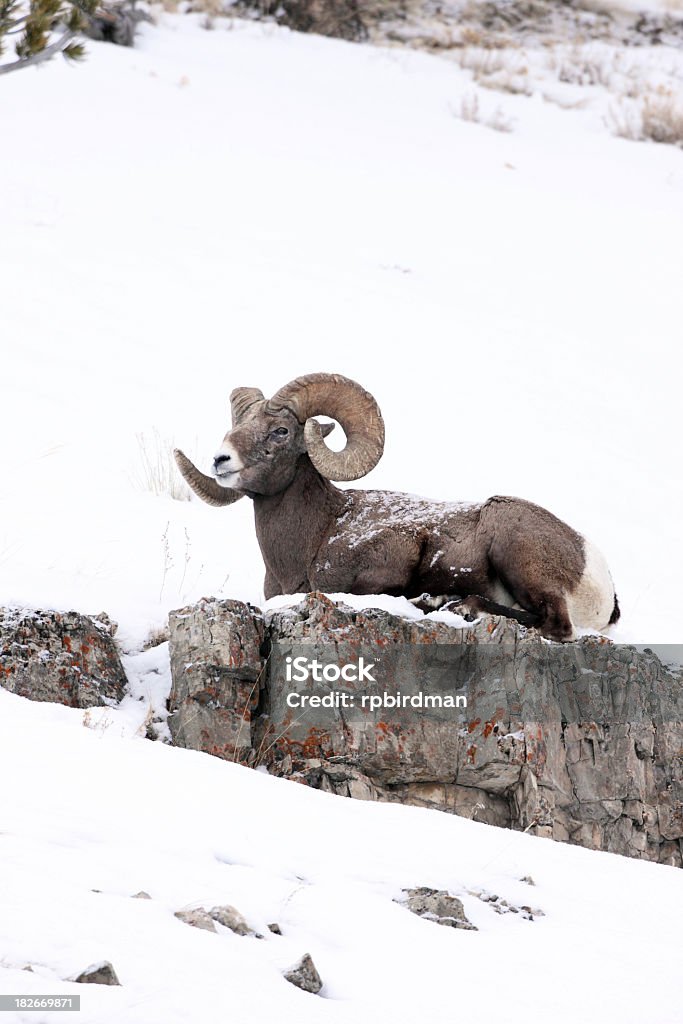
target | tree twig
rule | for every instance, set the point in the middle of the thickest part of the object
(37, 58)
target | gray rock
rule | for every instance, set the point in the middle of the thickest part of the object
(501, 906)
(304, 975)
(579, 742)
(439, 906)
(115, 23)
(62, 657)
(231, 918)
(339, 18)
(216, 667)
(196, 919)
(142, 895)
(275, 928)
(98, 974)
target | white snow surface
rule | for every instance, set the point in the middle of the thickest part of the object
(237, 207)
(93, 816)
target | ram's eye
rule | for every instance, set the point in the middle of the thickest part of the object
(280, 432)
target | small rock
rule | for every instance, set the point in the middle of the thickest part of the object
(533, 912)
(231, 918)
(107, 625)
(304, 975)
(142, 895)
(275, 928)
(439, 906)
(196, 918)
(98, 974)
(528, 879)
(501, 906)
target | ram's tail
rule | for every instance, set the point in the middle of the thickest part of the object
(616, 612)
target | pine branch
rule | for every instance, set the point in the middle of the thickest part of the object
(38, 57)
(8, 10)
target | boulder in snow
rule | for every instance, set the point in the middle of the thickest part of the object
(304, 975)
(231, 918)
(63, 657)
(196, 919)
(439, 906)
(101, 973)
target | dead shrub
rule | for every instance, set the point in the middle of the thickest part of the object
(662, 119)
(657, 118)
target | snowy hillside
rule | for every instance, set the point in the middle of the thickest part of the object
(95, 817)
(237, 207)
(241, 206)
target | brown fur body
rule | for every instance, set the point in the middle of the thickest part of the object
(503, 555)
(314, 536)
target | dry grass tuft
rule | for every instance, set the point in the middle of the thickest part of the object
(662, 118)
(471, 111)
(157, 471)
(658, 117)
(156, 637)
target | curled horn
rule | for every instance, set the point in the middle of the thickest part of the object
(240, 401)
(330, 394)
(204, 486)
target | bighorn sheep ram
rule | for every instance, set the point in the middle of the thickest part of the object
(504, 555)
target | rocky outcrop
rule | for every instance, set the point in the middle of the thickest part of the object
(63, 657)
(216, 667)
(580, 742)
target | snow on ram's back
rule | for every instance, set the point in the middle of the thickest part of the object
(235, 208)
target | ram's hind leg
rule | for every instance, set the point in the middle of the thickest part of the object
(555, 621)
(545, 602)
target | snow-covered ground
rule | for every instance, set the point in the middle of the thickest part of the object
(240, 206)
(92, 818)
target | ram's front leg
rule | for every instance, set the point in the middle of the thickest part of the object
(385, 565)
(448, 602)
(472, 606)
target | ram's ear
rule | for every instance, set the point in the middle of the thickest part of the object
(327, 428)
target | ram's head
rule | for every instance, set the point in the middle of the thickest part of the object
(259, 455)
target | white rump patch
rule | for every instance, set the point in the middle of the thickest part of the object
(591, 603)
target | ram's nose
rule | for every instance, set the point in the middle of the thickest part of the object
(221, 464)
